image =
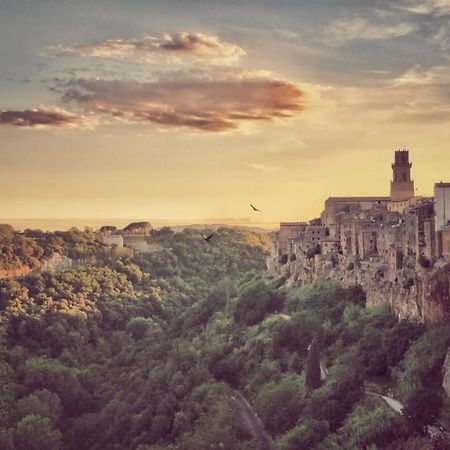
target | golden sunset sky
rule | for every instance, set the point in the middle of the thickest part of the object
(193, 109)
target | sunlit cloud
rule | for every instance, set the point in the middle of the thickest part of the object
(171, 48)
(264, 168)
(416, 96)
(438, 7)
(42, 117)
(204, 103)
(359, 28)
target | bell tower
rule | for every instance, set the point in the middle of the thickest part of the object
(402, 187)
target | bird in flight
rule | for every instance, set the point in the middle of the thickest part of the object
(255, 208)
(207, 238)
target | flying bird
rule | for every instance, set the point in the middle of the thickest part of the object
(207, 238)
(255, 208)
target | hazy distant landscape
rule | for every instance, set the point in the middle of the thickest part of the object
(67, 223)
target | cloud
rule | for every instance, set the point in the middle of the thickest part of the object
(41, 117)
(338, 31)
(442, 37)
(265, 168)
(416, 77)
(181, 47)
(432, 77)
(205, 102)
(418, 96)
(435, 7)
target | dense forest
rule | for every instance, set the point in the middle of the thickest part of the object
(153, 351)
(31, 247)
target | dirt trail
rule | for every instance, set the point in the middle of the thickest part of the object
(252, 421)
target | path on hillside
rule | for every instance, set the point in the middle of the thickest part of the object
(323, 370)
(252, 421)
(392, 402)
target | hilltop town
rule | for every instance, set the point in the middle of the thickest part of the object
(396, 247)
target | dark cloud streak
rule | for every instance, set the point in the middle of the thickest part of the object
(40, 117)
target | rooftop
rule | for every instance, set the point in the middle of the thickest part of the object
(293, 224)
(357, 199)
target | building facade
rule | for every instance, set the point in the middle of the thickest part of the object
(401, 230)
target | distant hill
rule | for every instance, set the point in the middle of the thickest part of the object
(215, 226)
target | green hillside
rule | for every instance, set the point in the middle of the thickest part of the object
(151, 352)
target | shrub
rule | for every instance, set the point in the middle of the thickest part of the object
(256, 301)
(312, 373)
(280, 404)
(138, 327)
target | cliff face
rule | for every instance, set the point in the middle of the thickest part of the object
(413, 293)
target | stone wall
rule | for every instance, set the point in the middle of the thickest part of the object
(141, 245)
(55, 263)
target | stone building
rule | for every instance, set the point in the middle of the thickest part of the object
(106, 230)
(402, 187)
(113, 239)
(289, 231)
(397, 247)
(399, 229)
(444, 242)
(338, 208)
(442, 206)
(442, 199)
(137, 229)
(330, 246)
(311, 236)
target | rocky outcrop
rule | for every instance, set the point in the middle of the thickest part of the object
(414, 292)
(435, 295)
(446, 374)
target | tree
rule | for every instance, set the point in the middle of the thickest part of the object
(280, 404)
(43, 403)
(138, 327)
(422, 407)
(34, 432)
(305, 435)
(397, 340)
(372, 352)
(6, 439)
(257, 300)
(312, 372)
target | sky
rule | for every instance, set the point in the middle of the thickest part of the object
(193, 109)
